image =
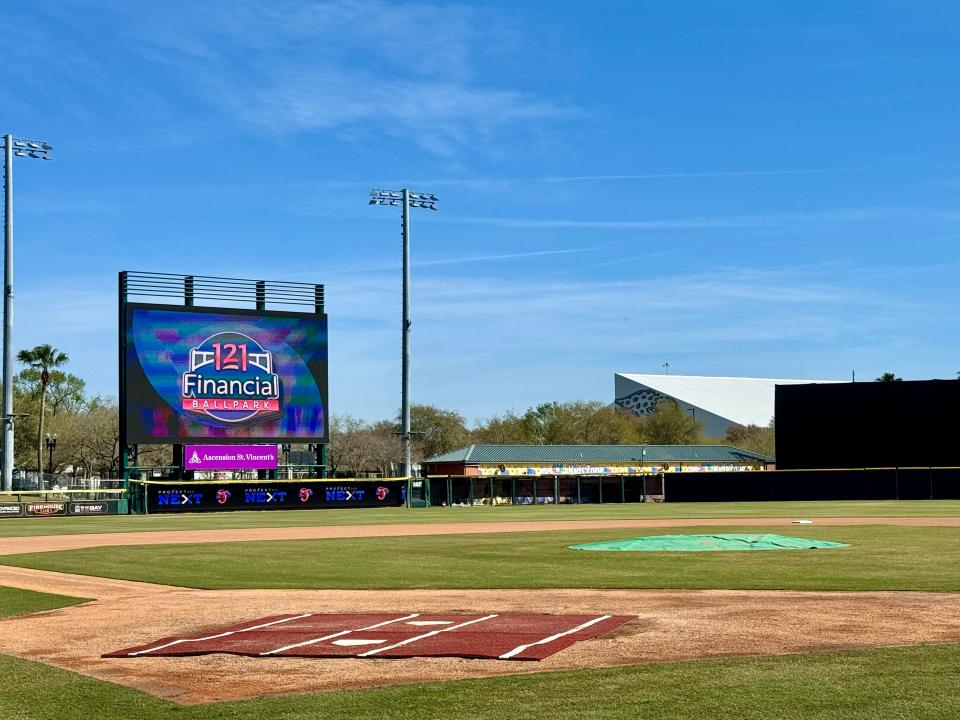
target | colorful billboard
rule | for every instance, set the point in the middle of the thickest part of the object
(230, 457)
(205, 375)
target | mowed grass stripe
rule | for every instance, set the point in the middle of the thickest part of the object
(890, 684)
(880, 558)
(14, 601)
(25, 527)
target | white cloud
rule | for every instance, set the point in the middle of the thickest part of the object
(355, 66)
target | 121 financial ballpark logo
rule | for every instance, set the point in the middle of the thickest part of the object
(230, 378)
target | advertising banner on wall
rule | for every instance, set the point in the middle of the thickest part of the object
(230, 457)
(205, 375)
(55, 509)
(194, 497)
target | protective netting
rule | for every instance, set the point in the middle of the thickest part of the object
(708, 543)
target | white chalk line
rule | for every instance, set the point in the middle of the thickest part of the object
(425, 635)
(341, 633)
(219, 635)
(520, 648)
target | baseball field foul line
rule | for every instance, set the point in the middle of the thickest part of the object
(219, 635)
(425, 635)
(314, 641)
(520, 648)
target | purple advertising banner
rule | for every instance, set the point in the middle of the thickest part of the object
(230, 457)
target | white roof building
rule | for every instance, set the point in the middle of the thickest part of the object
(717, 402)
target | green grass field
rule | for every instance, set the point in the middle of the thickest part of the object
(24, 527)
(917, 683)
(14, 601)
(880, 558)
(892, 684)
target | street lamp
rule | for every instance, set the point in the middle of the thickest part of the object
(666, 368)
(405, 199)
(40, 151)
(643, 476)
(51, 446)
(286, 458)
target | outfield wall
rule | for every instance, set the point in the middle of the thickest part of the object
(859, 484)
(717, 486)
(62, 503)
(223, 495)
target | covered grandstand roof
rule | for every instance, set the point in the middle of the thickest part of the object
(745, 401)
(480, 454)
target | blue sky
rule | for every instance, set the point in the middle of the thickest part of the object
(751, 188)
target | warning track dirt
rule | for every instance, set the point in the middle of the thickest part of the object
(54, 543)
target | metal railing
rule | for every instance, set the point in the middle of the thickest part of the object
(61, 495)
(222, 289)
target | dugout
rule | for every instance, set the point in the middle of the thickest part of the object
(573, 474)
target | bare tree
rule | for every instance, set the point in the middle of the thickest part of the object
(386, 449)
(349, 444)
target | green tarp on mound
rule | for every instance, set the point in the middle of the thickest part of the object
(707, 543)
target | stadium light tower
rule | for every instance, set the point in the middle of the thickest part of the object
(12, 147)
(406, 200)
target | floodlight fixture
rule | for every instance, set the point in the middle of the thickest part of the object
(32, 148)
(407, 199)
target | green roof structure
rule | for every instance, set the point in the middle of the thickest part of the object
(483, 454)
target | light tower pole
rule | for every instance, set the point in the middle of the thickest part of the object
(406, 200)
(41, 151)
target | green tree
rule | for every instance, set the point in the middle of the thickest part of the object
(506, 429)
(65, 392)
(669, 425)
(564, 423)
(43, 359)
(888, 377)
(27, 404)
(754, 438)
(436, 431)
(593, 423)
(611, 425)
(537, 420)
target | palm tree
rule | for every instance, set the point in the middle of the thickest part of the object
(43, 358)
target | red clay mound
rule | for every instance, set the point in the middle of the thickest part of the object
(391, 635)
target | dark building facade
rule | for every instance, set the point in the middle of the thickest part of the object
(900, 424)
